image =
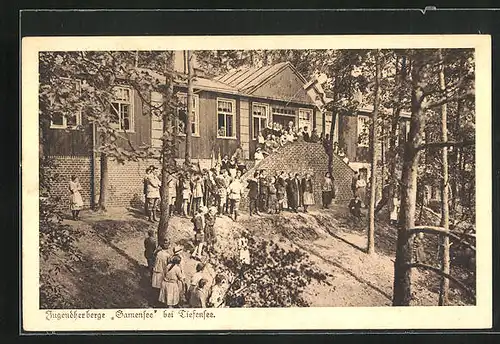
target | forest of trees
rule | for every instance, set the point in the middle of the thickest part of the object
(435, 85)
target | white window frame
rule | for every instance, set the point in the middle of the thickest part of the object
(78, 115)
(362, 120)
(266, 117)
(196, 110)
(310, 121)
(233, 102)
(118, 126)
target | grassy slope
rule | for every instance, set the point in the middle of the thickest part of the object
(111, 273)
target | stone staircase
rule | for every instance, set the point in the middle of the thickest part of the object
(309, 157)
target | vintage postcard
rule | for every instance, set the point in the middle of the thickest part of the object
(256, 183)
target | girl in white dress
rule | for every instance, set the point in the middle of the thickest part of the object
(76, 201)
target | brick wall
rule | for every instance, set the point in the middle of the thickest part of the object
(309, 157)
(125, 180)
(65, 167)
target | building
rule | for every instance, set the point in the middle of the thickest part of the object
(229, 110)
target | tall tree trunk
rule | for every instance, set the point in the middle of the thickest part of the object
(374, 153)
(402, 273)
(103, 184)
(187, 157)
(167, 152)
(445, 220)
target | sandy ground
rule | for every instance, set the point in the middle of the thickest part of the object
(112, 273)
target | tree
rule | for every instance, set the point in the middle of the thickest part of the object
(445, 215)
(374, 153)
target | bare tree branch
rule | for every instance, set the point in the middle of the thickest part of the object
(441, 273)
(448, 99)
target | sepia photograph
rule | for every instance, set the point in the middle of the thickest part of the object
(180, 180)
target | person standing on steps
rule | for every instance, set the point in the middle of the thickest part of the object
(327, 190)
(253, 194)
(307, 191)
(76, 201)
(288, 190)
(152, 193)
(235, 194)
(258, 156)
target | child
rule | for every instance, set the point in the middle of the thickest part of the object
(197, 276)
(217, 292)
(243, 248)
(76, 201)
(355, 207)
(150, 248)
(209, 228)
(199, 229)
(198, 298)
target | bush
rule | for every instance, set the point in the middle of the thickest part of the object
(276, 276)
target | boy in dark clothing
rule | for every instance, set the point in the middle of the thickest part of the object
(355, 207)
(150, 248)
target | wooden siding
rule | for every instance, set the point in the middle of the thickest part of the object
(285, 85)
(66, 142)
(318, 121)
(348, 135)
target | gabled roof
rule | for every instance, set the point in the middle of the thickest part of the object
(248, 79)
(198, 82)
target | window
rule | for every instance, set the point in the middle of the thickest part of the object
(122, 108)
(284, 116)
(195, 116)
(62, 119)
(363, 131)
(306, 118)
(328, 122)
(226, 112)
(260, 114)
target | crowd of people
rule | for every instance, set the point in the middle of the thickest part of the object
(170, 285)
